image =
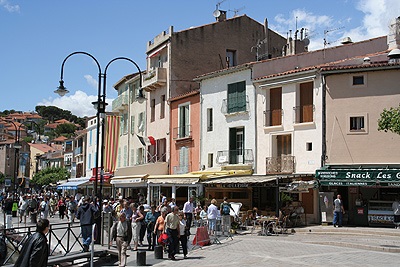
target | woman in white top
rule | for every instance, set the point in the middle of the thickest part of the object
(212, 214)
(137, 217)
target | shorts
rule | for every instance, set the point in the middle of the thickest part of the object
(22, 212)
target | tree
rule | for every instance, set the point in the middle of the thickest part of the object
(67, 129)
(50, 176)
(390, 120)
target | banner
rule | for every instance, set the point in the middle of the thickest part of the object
(111, 143)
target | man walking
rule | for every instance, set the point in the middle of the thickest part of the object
(172, 230)
(122, 233)
(86, 214)
(338, 211)
(23, 205)
(188, 211)
(225, 210)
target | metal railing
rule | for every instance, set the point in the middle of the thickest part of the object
(304, 113)
(182, 169)
(240, 156)
(273, 117)
(182, 132)
(63, 238)
(282, 164)
(235, 104)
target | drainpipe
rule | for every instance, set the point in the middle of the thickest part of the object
(323, 155)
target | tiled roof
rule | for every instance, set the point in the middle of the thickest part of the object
(187, 94)
(42, 147)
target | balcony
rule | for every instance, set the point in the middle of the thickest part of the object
(273, 117)
(304, 114)
(154, 78)
(77, 151)
(121, 103)
(280, 165)
(234, 105)
(241, 156)
(181, 169)
(182, 132)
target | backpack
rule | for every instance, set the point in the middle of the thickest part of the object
(226, 209)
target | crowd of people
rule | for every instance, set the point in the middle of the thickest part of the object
(131, 220)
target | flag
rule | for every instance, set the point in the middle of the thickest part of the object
(149, 140)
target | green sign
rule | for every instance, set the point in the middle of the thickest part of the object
(359, 177)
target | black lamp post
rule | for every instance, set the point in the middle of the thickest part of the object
(100, 106)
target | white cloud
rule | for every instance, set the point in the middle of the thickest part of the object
(312, 22)
(91, 81)
(9, 7)
(80, 104)
(377, 17)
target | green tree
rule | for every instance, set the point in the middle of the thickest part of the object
(2, 178)
(50, 176)
(66, 129)
(390, 120)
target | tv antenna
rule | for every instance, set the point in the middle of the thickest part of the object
(217, 12)
(236, 11)
(325, 35)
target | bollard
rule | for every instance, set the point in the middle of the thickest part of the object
(141, 258)
(158, 252)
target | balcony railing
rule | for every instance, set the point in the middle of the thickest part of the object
(182, 132)
(241, 156)
(78, 151)
(120, 103)
(304, 113)
(278, 165)
(154, 79)
(181, 169)
(235, 104)
(273, 117)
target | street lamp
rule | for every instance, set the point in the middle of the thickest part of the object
(100, 106)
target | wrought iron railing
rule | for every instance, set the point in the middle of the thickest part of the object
(304, 113)
(273, 117)
(182, 132)
(235, 104)
(282, 164)
(240, 156)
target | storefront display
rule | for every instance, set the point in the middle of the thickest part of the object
(380, 212)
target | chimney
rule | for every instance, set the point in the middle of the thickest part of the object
(393, 39)
(222, 16)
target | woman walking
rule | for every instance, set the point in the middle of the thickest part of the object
(61, 208)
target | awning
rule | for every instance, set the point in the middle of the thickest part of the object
(358, 177)
(72, 184)
(248, 179)
(173, 179)
(129, 181)
(157, 51)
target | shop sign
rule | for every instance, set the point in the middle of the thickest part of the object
(358, 177)
(360, 211)
(236, 185)
(386, 219)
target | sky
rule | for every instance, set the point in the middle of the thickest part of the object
(36, 36)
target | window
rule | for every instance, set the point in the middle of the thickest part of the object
(119, 157)
(140, 156)
(132, 157)
(90, 161)
(124, 124)
(230, 58)
(209, 120)
(309, 146)
(133, 124)
(125, 156)
(305, 111)
(356, 123)
(162, 111)
(358, 80)
(90, 137)
(141, 122)
(210, 160)
(184, 121)
(236, 97)
(153, 110)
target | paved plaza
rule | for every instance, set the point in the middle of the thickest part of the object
(308, 246)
